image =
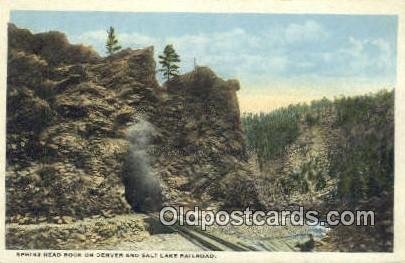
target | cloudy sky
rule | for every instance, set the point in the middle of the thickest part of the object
(279, 59)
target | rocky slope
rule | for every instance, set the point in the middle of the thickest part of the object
(339, 155)
(300, 175)
(90, 136)
(203, 155)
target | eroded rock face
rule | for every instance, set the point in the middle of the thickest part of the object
(68, 116)
(66, 124)
(204, 157)
(52, 46)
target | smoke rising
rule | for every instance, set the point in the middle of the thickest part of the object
(143, 190)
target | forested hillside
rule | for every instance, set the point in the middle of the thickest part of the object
(359, 133)
(330, 155)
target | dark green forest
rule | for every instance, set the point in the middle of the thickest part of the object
(360, 131)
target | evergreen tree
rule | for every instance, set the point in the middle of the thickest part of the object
(168, 61)
(112, 42)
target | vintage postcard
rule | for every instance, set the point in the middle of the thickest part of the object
(202, 131)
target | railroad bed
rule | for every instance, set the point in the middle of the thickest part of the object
(214, 242)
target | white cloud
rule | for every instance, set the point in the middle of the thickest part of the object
(384, 59)
(231, 53)
(383, 45)
(258, 56)
(309, 31)
(327, 56)
(366, 54)
(305, 65)
(356, 47)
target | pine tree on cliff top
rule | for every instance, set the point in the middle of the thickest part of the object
(168, 61)
(112, 42)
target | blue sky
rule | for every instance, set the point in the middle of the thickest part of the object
(279, 59)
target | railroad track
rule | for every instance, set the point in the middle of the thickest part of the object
(210, 242)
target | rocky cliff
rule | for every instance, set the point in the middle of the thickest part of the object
(88, 135)
(203, 155)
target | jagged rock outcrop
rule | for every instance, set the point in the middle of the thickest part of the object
(51, 46)
(204, 156)
(68, 116)
(65, 130)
